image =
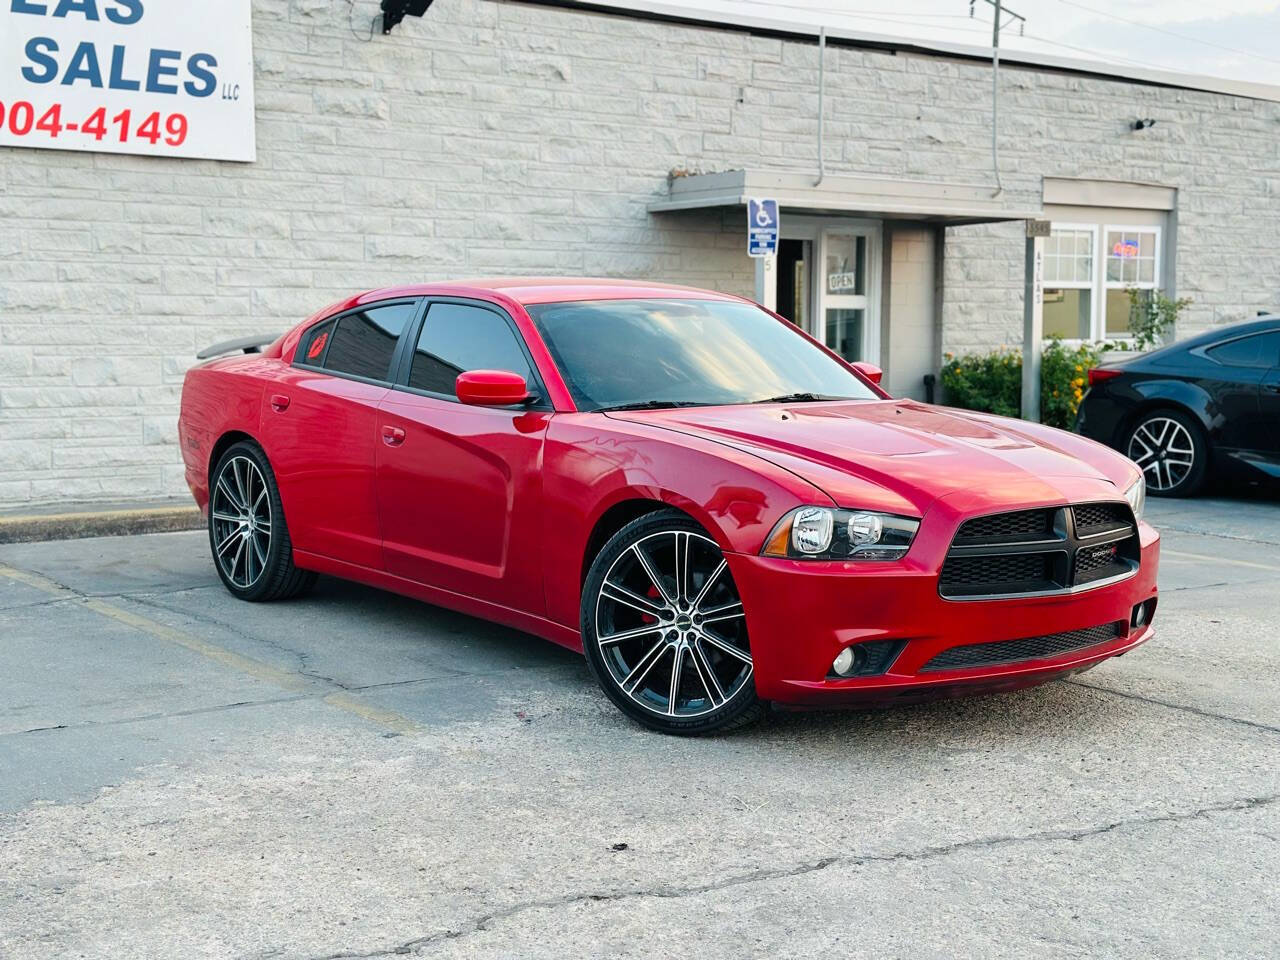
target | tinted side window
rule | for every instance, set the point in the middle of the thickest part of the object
(1260, 350)
(456, 338)
(363, 342)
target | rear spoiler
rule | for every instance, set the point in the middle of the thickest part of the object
(247, 344)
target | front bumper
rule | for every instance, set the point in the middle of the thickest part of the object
(800, 614)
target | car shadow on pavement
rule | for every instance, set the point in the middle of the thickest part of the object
(395, 626)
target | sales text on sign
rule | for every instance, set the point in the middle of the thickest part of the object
(128, 76)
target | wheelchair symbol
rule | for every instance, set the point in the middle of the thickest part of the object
(762, 213)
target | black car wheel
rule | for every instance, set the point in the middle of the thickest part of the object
(247, 531)
(1170, 448)
(664, 629)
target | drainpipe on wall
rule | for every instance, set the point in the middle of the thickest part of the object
(822, 59)
(995, 102)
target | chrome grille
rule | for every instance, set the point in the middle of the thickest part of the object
(1040, 551)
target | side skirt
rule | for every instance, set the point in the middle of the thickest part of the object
(529, 623)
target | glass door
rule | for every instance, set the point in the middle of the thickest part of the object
(848, 315)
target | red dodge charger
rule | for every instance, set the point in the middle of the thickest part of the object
(716, 509)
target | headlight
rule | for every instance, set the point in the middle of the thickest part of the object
(825, 533)
(1137, 496)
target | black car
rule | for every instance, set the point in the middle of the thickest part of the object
(1211, 403)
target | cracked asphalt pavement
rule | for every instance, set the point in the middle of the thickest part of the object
(354, 774)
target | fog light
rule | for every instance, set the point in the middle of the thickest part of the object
(848, 661)
(1142, 613)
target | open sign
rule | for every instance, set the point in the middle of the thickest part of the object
(1126, 249)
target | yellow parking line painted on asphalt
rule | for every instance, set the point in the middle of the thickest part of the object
(228, 658)
(386, 718)
(1179, 555)
(36, 580)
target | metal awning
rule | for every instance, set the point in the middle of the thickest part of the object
(951, 204)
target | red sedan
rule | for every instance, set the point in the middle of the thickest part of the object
(717, 510)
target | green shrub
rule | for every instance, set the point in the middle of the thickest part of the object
(1151, 316)
(1064, 374)
(992, 382)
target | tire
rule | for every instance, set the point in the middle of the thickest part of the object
(248, 536)
(1170, 448)
(643, 636)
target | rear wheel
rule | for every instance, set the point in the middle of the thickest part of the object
(664, 629)
(247, 531)
(1170, 449)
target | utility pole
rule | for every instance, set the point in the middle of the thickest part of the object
(996, 26)
(1033, 293)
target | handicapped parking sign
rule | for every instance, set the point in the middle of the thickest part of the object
(762, 227)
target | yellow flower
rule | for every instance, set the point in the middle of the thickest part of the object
(1079, 369)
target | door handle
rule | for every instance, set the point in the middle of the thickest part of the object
(279, 402)
(392, 436)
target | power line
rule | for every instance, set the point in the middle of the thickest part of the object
(881, 13)
(1168, 33)
(1103, 56)
(887, 16)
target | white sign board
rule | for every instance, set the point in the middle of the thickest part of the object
(165, 78)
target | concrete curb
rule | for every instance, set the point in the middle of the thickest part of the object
(98, 523)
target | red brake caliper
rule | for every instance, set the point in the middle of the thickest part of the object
(652, 594)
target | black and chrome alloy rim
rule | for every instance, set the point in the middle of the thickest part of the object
(241, 512)
(670, 626)
(1163, 449)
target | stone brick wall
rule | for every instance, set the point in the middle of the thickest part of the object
(505, 138)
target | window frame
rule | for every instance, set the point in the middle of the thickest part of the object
(1100, 316)
(1092, 230)
(1091, 284)
(1098, 284)
(403, 364)
(393, 366)
(1206, 351)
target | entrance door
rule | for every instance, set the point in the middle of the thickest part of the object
(826, 280)
(848, 315)
(794, 270)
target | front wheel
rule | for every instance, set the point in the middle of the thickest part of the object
(247, 533)
(664, 629)
(1170, 449)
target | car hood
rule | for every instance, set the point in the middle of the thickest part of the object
(915, 452)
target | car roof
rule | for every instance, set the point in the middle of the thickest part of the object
(531, 290)
(1228, 331)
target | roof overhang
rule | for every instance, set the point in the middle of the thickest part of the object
(873, 197)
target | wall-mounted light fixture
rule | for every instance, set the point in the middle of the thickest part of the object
(1142, 124)
(393, 11)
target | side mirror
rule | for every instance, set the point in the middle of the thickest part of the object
(869, 370)
(491, 388)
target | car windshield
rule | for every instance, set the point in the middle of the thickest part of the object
(660, 353)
